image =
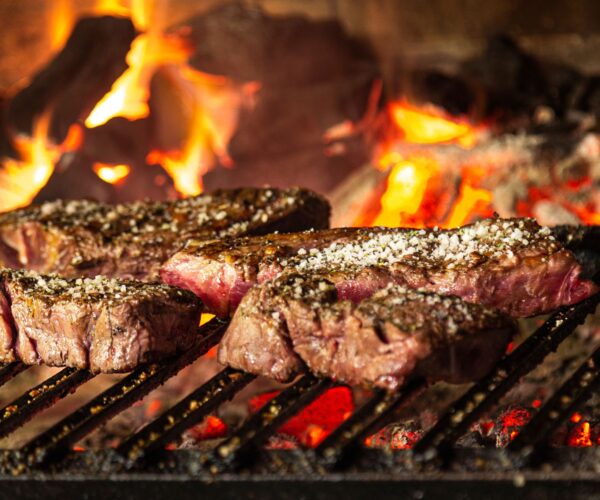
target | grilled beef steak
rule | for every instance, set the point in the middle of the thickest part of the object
(510, 264)
(290, 322)
(104, 325)
(83, 238)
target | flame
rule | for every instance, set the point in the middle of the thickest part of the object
(406, 187)
(215, 103)
(469, 198)
(21, 180)
(413, 185)
(61, 23)
(430, 125)
(128, 97)
(213, 100)
(112, 174)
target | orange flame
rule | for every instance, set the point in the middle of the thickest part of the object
(128, 97)
(112, 174)
(430, 125)
(411, 178)
(61, 22)
(406, 187)
(21, 180)
(215, 103)
(213, 100)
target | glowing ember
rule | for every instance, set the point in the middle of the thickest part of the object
(430, 125)
(211, 428)
(576, 417)
(153, 409)
(395, 437)
(580, 436)
(317, 420)
(112, 174)
(510, 423)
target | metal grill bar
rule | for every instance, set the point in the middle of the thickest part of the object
(572, 394)
(10, 371)
(189, 411)
(488, 391)
(57, 440)
(369, 418)
(24, 408)
(266, 421)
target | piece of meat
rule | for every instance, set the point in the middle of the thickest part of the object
(104, 325)
(510, 264)
(291, 322)
(84, 238)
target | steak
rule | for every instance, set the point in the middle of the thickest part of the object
(84, 238)
(291, 323)
(510, 264)
(103, 325)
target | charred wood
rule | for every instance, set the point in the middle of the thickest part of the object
(77, 78)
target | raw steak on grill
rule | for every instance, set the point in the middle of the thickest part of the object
(104, 325)
(510, 264)
(84, 238)
(292, 322)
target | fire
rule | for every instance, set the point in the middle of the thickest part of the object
(469, 198)
(580, 436)
(128, 97)
(406, 185)
(214, 102)
(21, 180)
(413, 184)
(61, 22)
(112, 174)
(430, 126)
(317, 420)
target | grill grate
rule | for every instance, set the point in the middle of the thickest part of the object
(573, 393)
(507, 373)
(339, 450)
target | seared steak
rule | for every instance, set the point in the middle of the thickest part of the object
(84, 238)
(510, 264)
(100, 324)
(291, 322)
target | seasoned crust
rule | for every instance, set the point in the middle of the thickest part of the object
(131, 240)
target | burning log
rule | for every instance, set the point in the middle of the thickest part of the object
(75, 80)
(311, 76)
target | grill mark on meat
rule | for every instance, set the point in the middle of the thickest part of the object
(377, 328)
(379, 341)
(511, 264)
(84, 238)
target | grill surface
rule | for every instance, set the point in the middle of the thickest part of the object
(141, 467)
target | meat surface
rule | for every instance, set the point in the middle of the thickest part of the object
(104, 325)
(293, 322)
(510, 264)
(84, 238)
